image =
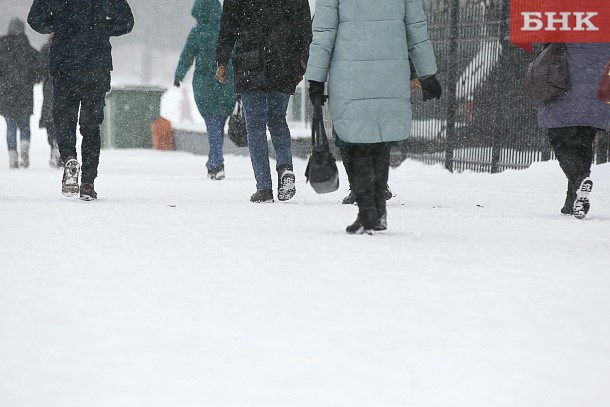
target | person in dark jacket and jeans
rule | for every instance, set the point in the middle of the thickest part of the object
(20, 69)
(574, 119)
(269, 42)
(80, 64)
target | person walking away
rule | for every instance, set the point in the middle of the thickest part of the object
(573, 120)
(20, 70)
(350, 199)
(46, 113)
(214, 101)
(363, 51)
(269, 41)
(80, 64)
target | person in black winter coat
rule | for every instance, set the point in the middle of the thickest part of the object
(80, 63)
(46, 113)
(268, 42)
(20, 69)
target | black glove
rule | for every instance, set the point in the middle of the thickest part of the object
(176, 83)
(316, 90)
(431, 88)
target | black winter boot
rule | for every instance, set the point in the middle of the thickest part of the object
(262, 196)
(357, 228)
(568, 206)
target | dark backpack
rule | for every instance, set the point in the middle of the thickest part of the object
(548, 76)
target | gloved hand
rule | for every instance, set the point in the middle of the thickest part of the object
(316, 90)
(176, 83)
(431, 88)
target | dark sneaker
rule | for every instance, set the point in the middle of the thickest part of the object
(69, 182)
(286, 183)
(87, 192)
(382, 223)
(217, 173)
(262, 196)
(350, 199)
(357, 228)
(582, 204)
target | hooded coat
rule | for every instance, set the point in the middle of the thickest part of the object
(212, 98)
(20, 69)
(362, 49)
(580, 106)
(268, 41)
(82, 31)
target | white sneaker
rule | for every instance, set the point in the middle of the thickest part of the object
(69, 182)
(25, 153)
(13, 159)
(582, 204)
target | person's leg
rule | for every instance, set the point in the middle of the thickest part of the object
(215, 127)
(11, 133)
(255, 112)
(93, 100)
(65, 115)
(11, 142)
(362, 181)
(24, 135)
(277, 105)
(381, 160)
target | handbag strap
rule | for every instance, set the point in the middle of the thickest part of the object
(318, 132)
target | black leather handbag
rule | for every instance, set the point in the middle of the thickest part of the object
(548, 76)
(321, 172)
(237, 132)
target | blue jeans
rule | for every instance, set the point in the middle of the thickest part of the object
(14, 123)
(216, 127)
(262, 110)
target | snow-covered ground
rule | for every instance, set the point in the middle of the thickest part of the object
(173, 290)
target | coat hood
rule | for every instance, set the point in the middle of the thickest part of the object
(16, 27)
(206, 11)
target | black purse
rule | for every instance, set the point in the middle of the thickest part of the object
(237, 132)
(321, 172)
(548, 76)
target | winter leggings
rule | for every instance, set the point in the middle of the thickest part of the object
(14, 123)
(368, 167)
(573, 147)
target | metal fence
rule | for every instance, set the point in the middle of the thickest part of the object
(482, 122)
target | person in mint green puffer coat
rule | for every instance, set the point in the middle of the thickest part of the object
(214, 101)
(362, 48)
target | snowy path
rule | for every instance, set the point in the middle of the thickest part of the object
(173, 290)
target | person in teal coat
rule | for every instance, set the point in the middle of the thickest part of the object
(362, 49)
(214, 101)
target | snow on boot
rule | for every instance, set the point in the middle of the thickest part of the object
(87, 192)
(286, 183)
(69, 182)
(582, 204)
(357, 228)
(382, 222)
(217, 173)
(25, 153)
(262, 196)
(13, 159)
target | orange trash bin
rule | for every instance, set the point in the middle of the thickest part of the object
(162, 134)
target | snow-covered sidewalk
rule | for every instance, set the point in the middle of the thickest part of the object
(172, 290)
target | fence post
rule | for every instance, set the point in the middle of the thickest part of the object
(451, 135)
(499, 128)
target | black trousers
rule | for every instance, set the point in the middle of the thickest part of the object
(83, 91)
(573, 147)
(368, 167)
